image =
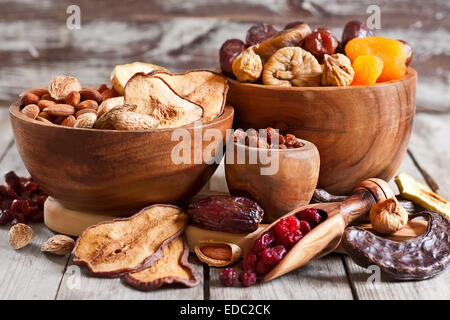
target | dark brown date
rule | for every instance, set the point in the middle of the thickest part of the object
(320, 42)
(259, 33)
(293, 24)
(354, 29)
(228, 52)
(226, 214)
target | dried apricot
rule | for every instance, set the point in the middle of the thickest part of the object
(392, 52)
(367, 70)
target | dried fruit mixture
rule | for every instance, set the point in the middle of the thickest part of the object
(266, 139)
(300, 57)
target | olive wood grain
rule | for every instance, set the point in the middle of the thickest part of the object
(291, 186)
(326, 237)
(113, 172)
(360, 131)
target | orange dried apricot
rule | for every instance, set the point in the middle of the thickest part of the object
(367, 70)
(392, 52)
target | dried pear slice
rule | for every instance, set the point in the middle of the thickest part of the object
(422, 195)
(205, 88)
(154, 97)
(123, 72)
(116, 247)
(172, 267)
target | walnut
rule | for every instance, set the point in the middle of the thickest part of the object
(292, 66)
(20, 235)
(388, 216)
(59, 244)
(337, 70)
(247, 66)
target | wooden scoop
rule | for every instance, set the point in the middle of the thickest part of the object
(325, 238)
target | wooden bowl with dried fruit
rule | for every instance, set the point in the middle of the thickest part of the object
(128, 156)
(354, 99)
(279, 172)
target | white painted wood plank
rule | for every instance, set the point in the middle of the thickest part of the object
(320, 279)
(78, 284)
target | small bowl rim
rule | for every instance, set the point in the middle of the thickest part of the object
(410, 73)
(228, 112)
(308, 145)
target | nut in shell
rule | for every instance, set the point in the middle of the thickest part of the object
(337, 70)
(61, 86)
(20, 235)
(85, 120)
(107, 105)
(59, 245)
(292, 66)
(217, 253)
(388, 216)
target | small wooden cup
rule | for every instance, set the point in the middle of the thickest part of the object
(360, 131)
(291, 186)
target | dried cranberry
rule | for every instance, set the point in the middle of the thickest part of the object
(227, 277)
(5, 216)
(262, 269)
(228, 52)
(37, 217)
(310, 215)
(286, 225)
(30, 186)
(7, 192)
(410, 52)
(248, 278)
(293, 24)
(304, 227)
(264, 241)
(272, 256)
(354, 29)
(5, 204)
(18, 218)
(259, 33)
(320, 42)
(250, 261)
(13, 181)
(20, 205)
(288, 240)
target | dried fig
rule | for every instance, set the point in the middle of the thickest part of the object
(228, 52)
(292, 66)
(337, 70)
(172, 267)
(116, 247)
(154, 97)
(202, 87)
(388, 216)
(247, 66)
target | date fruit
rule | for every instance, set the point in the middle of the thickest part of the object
(354, 29)
(320, 42)
(226, 214)
(259, 33)
(228, 52)
(293, 24)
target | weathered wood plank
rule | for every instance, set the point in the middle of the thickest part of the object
(27, 273)
(78, 284)
(320, 279)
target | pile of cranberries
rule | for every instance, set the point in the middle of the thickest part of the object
(270, 248)
(21, 200)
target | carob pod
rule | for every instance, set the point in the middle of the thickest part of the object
(226, 213)
(172, 267)
(416, 259)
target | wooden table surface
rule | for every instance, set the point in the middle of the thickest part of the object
(35, 44)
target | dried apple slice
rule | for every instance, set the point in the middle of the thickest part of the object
(205, 88)
(116, 247)
(154, 97)
(123, 72)
(172, 267)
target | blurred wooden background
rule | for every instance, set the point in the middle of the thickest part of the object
(35, 43)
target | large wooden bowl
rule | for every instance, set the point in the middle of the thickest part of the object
(288, 182)
(113, 172)
(361, 131)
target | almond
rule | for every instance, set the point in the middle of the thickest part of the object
(86, 120)
(20, 235)
(60, 110)
(73, 98)
(69, 121)
(39, 118)
(87, 104)
(45, 103)
(60, 87)
(83, 111)
(91, 94)
(59, 245)
(31, 111)
(102, 88)
(108, 94)
(59, 120)
(39, 92)
(29, 98)
(47, 96)
(46, 116)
